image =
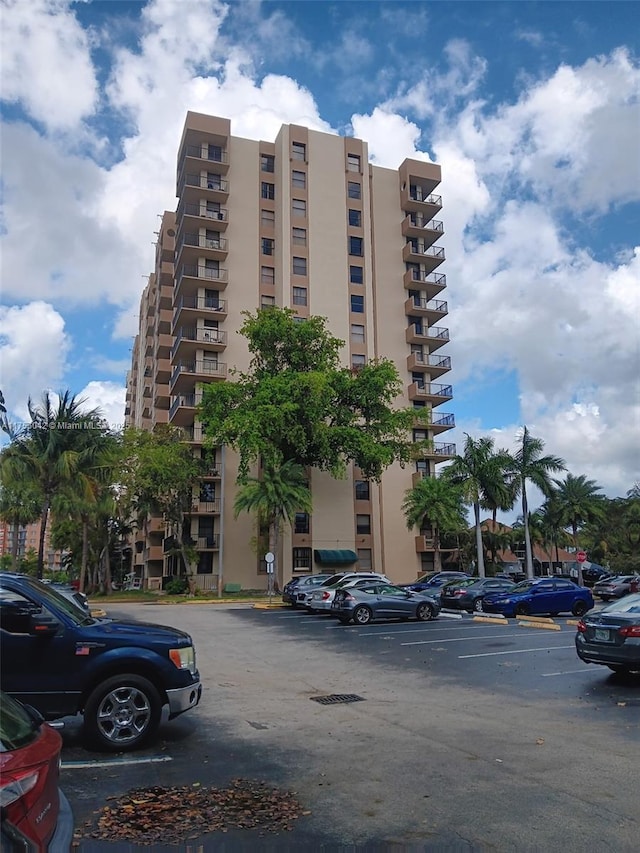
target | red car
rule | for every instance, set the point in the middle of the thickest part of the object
(35, 814)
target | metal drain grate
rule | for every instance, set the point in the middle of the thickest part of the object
(337, 698)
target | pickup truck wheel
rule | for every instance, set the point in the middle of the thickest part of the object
(122, 713)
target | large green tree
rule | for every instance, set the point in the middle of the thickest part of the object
(275, 496)
(19, 505)
(438, 503)
(579, 500)
(296, 403)
(529, 465)
(481, 473)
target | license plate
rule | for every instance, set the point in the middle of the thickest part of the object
(602, 634)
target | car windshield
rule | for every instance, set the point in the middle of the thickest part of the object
(17, 727)
(461, 582)
(628, 604)
(52, 597)
(523, 586)
(332, 580)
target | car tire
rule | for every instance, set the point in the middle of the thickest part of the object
(362, 615)
(478, 606)
(425, 612)
(619, 669)
(521, 609)
(344, 620)
(122, 713)
(579, 608)
(311, 610)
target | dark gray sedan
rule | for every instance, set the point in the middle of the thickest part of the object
(615, 586)
(611, 636)
(365, 603)
(468, 593)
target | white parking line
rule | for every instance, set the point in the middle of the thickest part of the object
(116, 762)
(384, 631)
(566, 672)
(515, 652)
(481, 637)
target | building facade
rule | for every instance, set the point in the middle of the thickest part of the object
(306, 223)
(28, 540)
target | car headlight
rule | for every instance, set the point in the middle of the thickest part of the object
(184, 658)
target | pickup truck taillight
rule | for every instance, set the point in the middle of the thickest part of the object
(183, 658)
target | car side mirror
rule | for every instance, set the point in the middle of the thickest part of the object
(43, 625)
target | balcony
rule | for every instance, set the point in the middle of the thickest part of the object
(431, 392)
(182, 410)
(220, 216)
(433, 337)
(161, 399)
(208, 543)
(417, 198)
(189, 340)
(162, 346)
(214, 471)
(430, 283)
(415, 226)
(162, 371)
(428, 257)
(189, 308)
(194, 433)
(187, 373)
(425, 544)
(434, 365)
(441, 423)
(193, 187)
(432, 309)
(205, 507)
(192, 155)
(166, 274)
(165, 296)
(193, 276)
(192, 247)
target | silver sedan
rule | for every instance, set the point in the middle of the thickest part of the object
(364, 603)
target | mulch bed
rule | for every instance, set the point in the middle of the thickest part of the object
(177, 814)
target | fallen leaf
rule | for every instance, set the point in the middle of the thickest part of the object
(539, 741)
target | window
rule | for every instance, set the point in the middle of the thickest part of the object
(214, 211)
(362, 490)
(212, 299)
(301, 522)
(354, 190)
(214, 152)
(268, 218)
(267, 162)
(207, 492)
(357, 304)
(358, 361)
(299, 236)
(299, 295)
(357, 333)
(355, 217)
(298, 151)
(363, 524)
(214, 182)
(420, 435)
(422, 468)
(267, 301)
(301, 559)
(355, 246)
(298, 207)
(299, 319)
(364, 560)
(299, 266)
(268, 190)
(353, 162)
(356, 275)
(268, 246)
(267, 275)
(298, 179)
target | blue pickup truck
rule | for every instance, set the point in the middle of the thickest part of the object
(118, 675)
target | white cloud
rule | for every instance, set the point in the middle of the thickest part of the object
(33, 352)
(46, 62)
(390, 137)
(109, 398)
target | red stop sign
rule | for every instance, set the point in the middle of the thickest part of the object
(581, 556)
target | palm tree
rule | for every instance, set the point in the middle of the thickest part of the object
(438, 502)
(56, 451)
(480, 471)
(579, 502)
(553, 531)
(528, 463)
(275, 497)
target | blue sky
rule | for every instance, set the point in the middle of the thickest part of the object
(532, 109)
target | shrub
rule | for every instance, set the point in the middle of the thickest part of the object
(177, 586)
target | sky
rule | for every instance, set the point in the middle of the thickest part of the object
(532, 109)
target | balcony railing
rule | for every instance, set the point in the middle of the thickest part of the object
(204, 152)
(416, 194)
(212, 541)
(202, 242)
(205, 367)
(182, 401)
(433, 389)
(431, 332)
(444, 420)
(430, 305)
(205, 336)
(433, 360)
(441, 449)
(205, 506)
(190, 209)
(202, 303)
(429, 278)
(419, 221)
(429, 251)
(205, 182)
(201, 271)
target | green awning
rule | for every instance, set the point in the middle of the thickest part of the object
(335, 556)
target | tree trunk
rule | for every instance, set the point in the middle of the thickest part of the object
(85, 552)
(528, 553)
(273, 547)
(437, 555)
(479, 548)
(14, 548)
(575, 542)
(107, 570)
(44, 518)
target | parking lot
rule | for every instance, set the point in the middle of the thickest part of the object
(467, 735)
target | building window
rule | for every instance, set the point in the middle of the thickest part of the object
(301, 559)
(362, 490)
(299, 266)
(268, 218)
(301, 522)
(358, 361)
(267, 301)
(357, 333)
(299, 295)
(299, 236)
(422, 467)
(207, 492)
(299, 319)
(355, 217)
(363, 524)
(355, 246)
(354, 190)
(298, 179)
(298, 207)
(353, 162)
(214, 152)
(268, 190)
(298, 151)
(267, 275)
(267, 162)
(357, 304)
(268, 246)
(420, 435)
(214, 181)
(364, 560)
(356, 275)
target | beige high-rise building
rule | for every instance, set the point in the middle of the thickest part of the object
(307, 223)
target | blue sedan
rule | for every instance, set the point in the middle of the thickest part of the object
(540, 596)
